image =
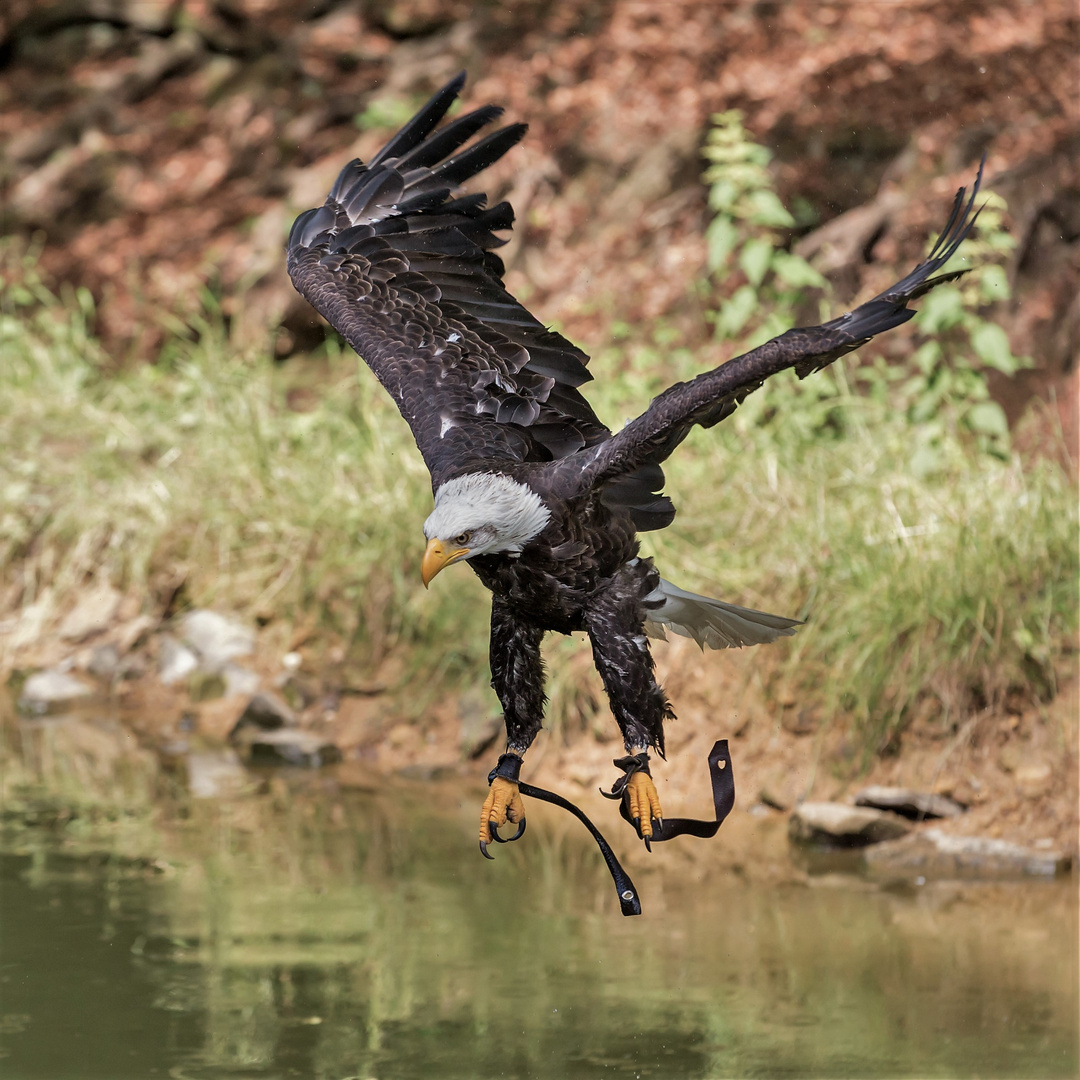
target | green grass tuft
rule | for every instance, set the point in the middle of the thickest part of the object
(196, 472)
(948, 585)
(950, 588)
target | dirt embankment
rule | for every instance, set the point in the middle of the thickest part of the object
(195, 703)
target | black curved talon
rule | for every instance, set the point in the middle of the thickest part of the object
(630, 764)
(641, 836)
(494, 829)
(484, 851)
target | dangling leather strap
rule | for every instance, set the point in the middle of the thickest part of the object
(628, 894)
(723, 792)
(723, 788)
(630, 764)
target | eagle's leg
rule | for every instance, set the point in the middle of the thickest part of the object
(517, 677)
(616, 625)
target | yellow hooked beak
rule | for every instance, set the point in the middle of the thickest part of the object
(436, 557)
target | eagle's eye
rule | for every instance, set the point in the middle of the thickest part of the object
(462, 538)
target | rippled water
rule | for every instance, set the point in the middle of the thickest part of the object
(344, 934)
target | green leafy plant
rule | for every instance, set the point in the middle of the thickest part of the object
(743, 232)
(878, 500)
(949, 381)
(945, 385)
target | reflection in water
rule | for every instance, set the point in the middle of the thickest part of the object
(311, 936)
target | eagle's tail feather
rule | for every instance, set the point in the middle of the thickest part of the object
(713, 624)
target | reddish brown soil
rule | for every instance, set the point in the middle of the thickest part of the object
(162, 146)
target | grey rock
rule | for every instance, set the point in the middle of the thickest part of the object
(239, 681)
(104, 661)
(289, 746)
(481, 722)
(843, 825)
(264, 712)
(216, 775)
(46, 689)
(934, 853)
(175, 661)
(132, 666)
(908, 803)
(93, 613)
(216, 639)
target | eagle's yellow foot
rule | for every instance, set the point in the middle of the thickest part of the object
(640, 800)
(503, 804)
(644, 804)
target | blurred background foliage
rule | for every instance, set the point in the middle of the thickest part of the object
(178, 423)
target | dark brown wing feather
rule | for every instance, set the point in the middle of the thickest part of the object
(716, 394)
(408, 274)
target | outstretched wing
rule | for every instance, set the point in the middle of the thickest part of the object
(407, 273)
(716, 394)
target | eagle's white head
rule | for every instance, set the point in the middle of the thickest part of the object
(480, 514)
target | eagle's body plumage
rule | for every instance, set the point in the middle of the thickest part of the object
(406, 270)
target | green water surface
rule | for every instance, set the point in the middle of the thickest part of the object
(352, 934)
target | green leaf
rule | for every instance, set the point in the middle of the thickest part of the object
(991, 344)
(915, 386)
(927, 356)
(754, 259)
(994, 283)
(773, 326)
(926, 459)
(734, 313)
(927, 405)
(987, 418)
(942, 308)
(795, 271)
(385, 113)
(722, 194)
(720, 238)
(665, 335)
(765, 208)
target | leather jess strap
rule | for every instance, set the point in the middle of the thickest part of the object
(628, 894)
(723, 793)
(723, 790)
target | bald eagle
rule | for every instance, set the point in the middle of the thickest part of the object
(531, 489)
